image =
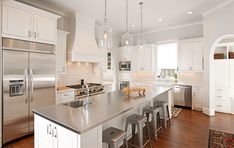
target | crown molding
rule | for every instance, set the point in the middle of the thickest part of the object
(171, 28)
(217, 7)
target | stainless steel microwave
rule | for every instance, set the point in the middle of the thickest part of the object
(125, 66)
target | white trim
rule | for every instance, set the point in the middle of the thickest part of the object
(209, 111)
(217, 7)
(171, 28)
(167, 42)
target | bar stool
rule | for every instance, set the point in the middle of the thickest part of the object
(165, 112)
(138, 121)
(113, 136)
(155, 112)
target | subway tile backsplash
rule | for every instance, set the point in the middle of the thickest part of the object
(77, 71)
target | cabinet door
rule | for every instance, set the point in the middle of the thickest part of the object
(197, 98)
(197, 56)
(44, 138)
(147, 59)
(61, 53)
(45, 29)
(64, 138)
(16, 23)
(135, 53)
(185, 56)
(221, 71)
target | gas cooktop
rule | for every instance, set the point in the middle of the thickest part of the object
(81, 91)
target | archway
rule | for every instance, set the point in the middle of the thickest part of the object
(212, 69)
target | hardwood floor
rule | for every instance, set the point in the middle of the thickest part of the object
(188, 130)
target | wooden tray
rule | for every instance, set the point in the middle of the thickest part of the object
(128, 91)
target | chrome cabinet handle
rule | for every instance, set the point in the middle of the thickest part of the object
(26, 84)
(49, 129)
(55, 132)
(35, 35)
(29, 33)
(32, 85)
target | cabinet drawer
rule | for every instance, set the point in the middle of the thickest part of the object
(221, 106)
(65, 95)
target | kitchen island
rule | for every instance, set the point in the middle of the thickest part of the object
(62, 126)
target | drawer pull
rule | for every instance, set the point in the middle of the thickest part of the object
(65, 94)
(219, 96)
(219, 105)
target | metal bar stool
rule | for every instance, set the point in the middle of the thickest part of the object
(165, 112)
(113, 137)
(138, 121)
(155, 112)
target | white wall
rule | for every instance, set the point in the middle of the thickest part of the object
(216, 24)
(183, 32)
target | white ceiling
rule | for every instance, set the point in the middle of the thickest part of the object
(173, 12)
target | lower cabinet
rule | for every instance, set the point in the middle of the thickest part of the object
(197, 98)
(52, 135)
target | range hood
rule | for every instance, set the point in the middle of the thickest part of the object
(83, 45)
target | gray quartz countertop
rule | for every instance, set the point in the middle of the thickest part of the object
(103, 108)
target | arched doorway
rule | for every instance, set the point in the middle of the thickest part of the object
(218, 56)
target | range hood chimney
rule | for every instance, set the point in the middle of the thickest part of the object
(83, 44)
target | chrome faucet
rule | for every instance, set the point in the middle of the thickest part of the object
(87, 92)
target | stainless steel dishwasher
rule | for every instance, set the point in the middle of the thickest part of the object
(183, 96)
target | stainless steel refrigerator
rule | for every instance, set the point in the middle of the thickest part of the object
(28, 83)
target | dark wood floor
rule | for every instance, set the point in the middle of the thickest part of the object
(189, 130)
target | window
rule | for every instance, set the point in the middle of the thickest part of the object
(167, 60)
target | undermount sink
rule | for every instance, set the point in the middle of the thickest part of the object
(76, 104)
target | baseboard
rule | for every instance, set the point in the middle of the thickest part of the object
(208, 111)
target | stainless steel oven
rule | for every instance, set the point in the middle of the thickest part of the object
(123, 84)
(125, 66)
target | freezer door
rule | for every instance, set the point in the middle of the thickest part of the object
(42, 81)
(15, 95)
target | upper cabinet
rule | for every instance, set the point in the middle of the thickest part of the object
(61, 52)
(24, 22)
(191, 55)
(143, 58)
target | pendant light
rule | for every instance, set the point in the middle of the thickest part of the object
(105, 33)
(127, 38)
(141, 41)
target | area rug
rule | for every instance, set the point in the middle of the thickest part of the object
(218, 139)
(175, 111)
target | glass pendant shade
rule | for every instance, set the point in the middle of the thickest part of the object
(105, 33)
(105, 37)
(127, 39)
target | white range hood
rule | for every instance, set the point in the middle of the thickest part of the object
(83, 44)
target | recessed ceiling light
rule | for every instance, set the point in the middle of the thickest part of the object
(133, 26)
(160, 19)
(190, 12)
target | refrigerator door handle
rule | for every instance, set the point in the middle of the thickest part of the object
(26, 84)
(31, 79)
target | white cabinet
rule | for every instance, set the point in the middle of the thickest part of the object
(190, 55)
(108, 88)
(20, 21)
(17, 22)
(143, 58)
(197, 98)
(51, 135)
(125, 53)
(44, 29)
(221, 70)
(65, 96)
(61, 48)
